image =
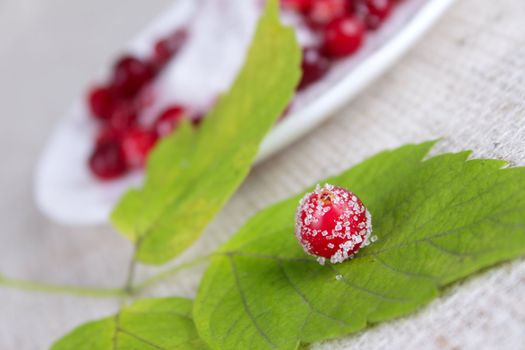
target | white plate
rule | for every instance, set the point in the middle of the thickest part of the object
(66, 192)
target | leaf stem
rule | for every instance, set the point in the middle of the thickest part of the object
(159, 277)
(128, 285)
(32, 286)
(128, 290)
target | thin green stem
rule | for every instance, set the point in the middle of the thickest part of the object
(128, 285)
(32, 286)
(161, 276)
(127, 291)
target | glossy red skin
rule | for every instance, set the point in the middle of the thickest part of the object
(136, 144)
(318, 244)
(322, 12)
(107, 160)
(168, 120)
(124, 116)
(130, 75)
(343, 37)
(378, 11)
(101, 102)
(314, 66)
(301, 6)
(166, 48)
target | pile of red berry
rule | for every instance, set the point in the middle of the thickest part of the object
(340, 27)
(124, 140)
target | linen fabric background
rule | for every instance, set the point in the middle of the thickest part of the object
(465, 81)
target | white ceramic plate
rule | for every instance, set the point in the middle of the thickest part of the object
(66, 192)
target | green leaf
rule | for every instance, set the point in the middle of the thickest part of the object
(437, 220)
(192, 174)
(148, 324)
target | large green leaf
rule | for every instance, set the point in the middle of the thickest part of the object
(437, 221)
(148, 324)
(192, 174)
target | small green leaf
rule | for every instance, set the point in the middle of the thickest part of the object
(148, 324)
(192, 174)
(437, 221)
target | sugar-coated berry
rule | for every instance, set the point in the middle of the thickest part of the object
(136, 144)
(107, 160)
(343, 37)
(168, 120)
(130, 75)
(101, 102)
(314, 66)
(332, 223)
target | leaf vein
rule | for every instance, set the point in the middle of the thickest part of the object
(245, 302)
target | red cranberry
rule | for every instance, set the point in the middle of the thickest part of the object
(130, 75)
(168, 120)
(332, 223)
(101, 102)
(343, 37)
(166, 48)
(107, 160)
(301, 6)
(324, 11)
(145, 98)
(314, 67)
(137, 143)
(108, 135)
(124, 116)
(378, 11)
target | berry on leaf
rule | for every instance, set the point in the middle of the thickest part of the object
(332, 223)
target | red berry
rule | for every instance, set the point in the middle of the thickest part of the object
(314, 67)
(145, 99)
(378, 11)
(332, 223)
(301, 6)
(168, 120)
(124, 116)
(136, 144)
(324, 11)
(108, 135)
(130, 75)
(343, 37)
(166, 48)
(101, 102)
(107, 160)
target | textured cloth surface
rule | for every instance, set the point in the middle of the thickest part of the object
(465, 82)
